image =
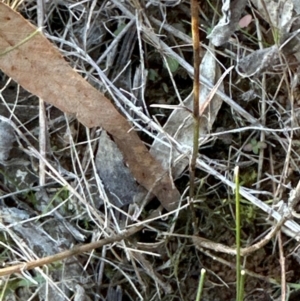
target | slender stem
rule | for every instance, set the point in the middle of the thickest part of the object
(237, 233)
(196, 89)
(283, 269)
(201, 284)
(242, 282)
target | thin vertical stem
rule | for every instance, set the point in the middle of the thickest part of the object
(201, 284)
(196, 117)
(237, 233)
(282, 265)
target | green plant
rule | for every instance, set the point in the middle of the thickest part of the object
(172, 64)
(11, 285)
(248, 177)
(201, 283)
(239, 274)
(254, 146)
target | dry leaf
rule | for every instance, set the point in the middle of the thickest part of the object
(180, 124)
(40, 238)
(40, 68)
(280, 15)
(259, 61)
(232, 12)
(278, 12)
(7, 138)
(296, 4)
(116, 177)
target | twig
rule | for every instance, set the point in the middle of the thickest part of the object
(205, 243)
(18, 268)
(282, 265)
(231, 265)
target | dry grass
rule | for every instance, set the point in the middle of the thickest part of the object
(53, 198)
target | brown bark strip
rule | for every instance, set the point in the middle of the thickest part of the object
(40, 68)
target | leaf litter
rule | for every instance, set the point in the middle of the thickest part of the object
(80, 195)
(73, 95)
